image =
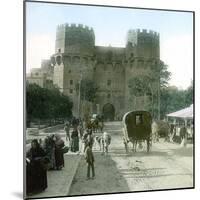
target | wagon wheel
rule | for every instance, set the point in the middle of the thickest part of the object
(148, 144)
(126, 145)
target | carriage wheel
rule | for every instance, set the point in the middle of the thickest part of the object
(148, 145)
(126, 146)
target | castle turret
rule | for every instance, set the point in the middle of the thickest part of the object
(73, 38)
(142, 61)
(143, 43)
(73, 57)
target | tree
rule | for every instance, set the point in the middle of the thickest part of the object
(151, 85)
(165, 75)
(138, 86)
(174, 99)
(43, 103)
(189, 94)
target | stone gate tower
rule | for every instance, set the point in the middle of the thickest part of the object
(73, 59)
(142, 54)
(77, 57)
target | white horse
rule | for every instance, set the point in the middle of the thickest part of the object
(106, 140)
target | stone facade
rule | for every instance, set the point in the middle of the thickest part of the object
(76, 58)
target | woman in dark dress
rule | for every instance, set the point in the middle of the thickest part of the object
(59, 158)
(74, 140)
(49, 148)
(36, 173)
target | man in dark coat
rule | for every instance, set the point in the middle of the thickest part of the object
(89, 157)
(183, 132)
(67, 129)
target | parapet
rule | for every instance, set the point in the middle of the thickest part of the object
(134, 35)
(77, 35)
(147, 32)
(74, 26)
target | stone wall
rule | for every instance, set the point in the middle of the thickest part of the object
(110, 67)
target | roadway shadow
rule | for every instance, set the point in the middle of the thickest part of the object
(108, 179)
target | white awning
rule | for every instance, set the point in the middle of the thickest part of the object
(186, 113)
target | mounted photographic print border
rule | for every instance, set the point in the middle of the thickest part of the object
(89, 72)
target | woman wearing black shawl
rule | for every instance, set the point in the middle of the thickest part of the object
(59, 158)
(74, 140)
(36, 173)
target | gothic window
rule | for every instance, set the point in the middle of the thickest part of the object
(109, 83)
(59, 50)
(109, 55)
(58, 60)
(71, 91)
(71, 82)
(108, 96)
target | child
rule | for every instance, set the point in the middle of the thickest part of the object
(89, 157)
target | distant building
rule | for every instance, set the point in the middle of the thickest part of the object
(76, 58)
(42, 76)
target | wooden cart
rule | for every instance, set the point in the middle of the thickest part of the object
(137, 128)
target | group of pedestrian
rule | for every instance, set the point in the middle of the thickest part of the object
(75, 134)
(178, 134)
(53, 146)
(48, 154)
(42, 156)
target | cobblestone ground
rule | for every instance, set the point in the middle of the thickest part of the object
(166, 166)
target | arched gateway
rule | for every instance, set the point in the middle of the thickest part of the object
(108, 112)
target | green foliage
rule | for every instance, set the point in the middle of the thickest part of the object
(88, 90)
(165, 75)
(149, 84)
(174, 99)
(42, 103)
(139, 85)
(189, 94)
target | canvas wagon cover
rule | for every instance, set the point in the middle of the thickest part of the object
(140, 129)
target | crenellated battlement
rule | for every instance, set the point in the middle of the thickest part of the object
(144, 32)
(75, 38)
(80, 27)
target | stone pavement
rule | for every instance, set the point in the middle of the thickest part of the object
(59, 181)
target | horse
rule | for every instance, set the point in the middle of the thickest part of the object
(137, 143)
(106, 140)
(103, 141)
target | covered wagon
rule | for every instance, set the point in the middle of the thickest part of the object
(137, 128)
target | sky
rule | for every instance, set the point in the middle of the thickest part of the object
(111, 26)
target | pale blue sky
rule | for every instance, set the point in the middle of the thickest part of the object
(110, 26)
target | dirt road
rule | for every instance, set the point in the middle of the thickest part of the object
(166, 166)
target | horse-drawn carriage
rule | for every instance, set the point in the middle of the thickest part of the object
(137, 129)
